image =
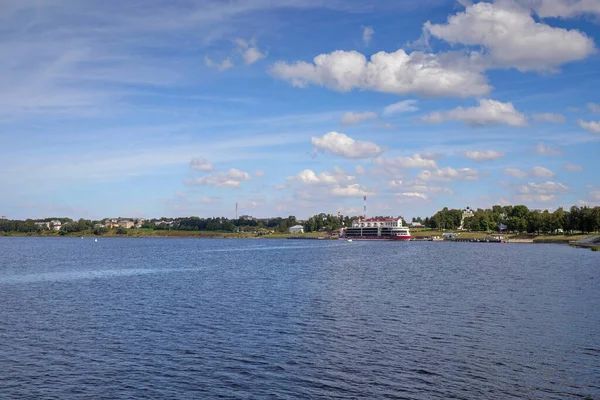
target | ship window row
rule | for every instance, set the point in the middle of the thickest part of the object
(376, 224)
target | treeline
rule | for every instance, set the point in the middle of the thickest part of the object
(519, 219)
(220, 224)
(27, 226)
(512, 218)
(325, 222)
(30, 226)
(69, 226)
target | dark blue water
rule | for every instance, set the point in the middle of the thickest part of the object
(189, 318)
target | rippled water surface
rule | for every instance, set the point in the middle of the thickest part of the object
(190, 318)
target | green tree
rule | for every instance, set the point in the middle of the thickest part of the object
(283, 225)
(100, 230)
(519, 211)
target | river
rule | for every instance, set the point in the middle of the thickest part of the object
(225, 318)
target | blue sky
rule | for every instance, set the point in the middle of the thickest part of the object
(159, 108)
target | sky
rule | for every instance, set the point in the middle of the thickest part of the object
(151, 108)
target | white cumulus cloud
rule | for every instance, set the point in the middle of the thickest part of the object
(593, 107)
(416, 161)
(541, 148)
(417, 186)
(448, 174)
(414, 194)
(252, 55)
(430, 155)
(541, 198)
(591, 126)
(229, 179)
(221, 66)
(200, 164)
(337, 183)
(404, 106)
(352, 118)
(516, 173)
(484, 155)
(549, 117)
(510, 37)
(354, 190)
(489, 112)
(563, 8)
(309, 177)
(367, 35)
(249, 50)
(544, 188)
(448, 74)
(342, 145)
(542, 172)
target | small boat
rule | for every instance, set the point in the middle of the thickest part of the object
(95, 240)
(349, 240)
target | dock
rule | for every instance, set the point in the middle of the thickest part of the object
(461, 240)
(308, 238)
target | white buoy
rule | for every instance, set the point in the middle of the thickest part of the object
(95, 240)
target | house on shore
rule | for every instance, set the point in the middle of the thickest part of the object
(125, 223)
(296, 229)
(111, 223)
(43, 225)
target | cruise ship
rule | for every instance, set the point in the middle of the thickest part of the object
(376, 229)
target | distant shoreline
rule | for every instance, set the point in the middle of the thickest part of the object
(176, 234)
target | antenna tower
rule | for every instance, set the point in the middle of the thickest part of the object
(365, 207)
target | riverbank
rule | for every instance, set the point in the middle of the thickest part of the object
(577, 239)
(509, 238)
(149, 233)
(592, 242)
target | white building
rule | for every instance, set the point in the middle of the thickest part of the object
(468, 212)
(296, 229)
(125, 223)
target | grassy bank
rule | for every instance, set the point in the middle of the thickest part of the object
(511, 237)
(150, 233)
(140, 233)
